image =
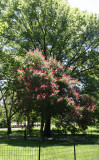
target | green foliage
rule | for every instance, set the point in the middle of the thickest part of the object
(3, 25)
(3, 122)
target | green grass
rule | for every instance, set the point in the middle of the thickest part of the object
(50, 150)
(93, 129)
(19, 132)
(91, 132)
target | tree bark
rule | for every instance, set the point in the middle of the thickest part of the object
(47, 131)
(9, 126)
(8, 116)
(42, 126)
(45, 48)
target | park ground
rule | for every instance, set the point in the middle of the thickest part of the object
(60, 147)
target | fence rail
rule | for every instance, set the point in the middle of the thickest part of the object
(53, 152)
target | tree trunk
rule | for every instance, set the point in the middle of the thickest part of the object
(47, 132)
(45, 48)
(9, 126)
(42, 126)
(29, 126)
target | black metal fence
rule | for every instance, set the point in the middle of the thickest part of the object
(57, 152)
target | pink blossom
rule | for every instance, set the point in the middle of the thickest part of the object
(25, 83)
(36, 89)
(73, 101)
(93, 104)
(89, 108)
(26, 67)
(33, 96)
(62, 98)
(27, 89)
(77, 111)
(38, 96)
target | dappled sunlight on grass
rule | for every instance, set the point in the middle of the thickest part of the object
(92, 131)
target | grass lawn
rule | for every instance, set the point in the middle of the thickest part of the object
(92, 132)
(19, 132)
(49, 150)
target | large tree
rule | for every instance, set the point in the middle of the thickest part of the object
(55, 29)
(7, 92)
(43, 86)
(6, 78)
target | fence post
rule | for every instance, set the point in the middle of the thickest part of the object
(39, 152)
(74, 152)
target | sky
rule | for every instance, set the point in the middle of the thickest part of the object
(88, 5)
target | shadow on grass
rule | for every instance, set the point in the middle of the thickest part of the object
(89, 134)
(54, 133)
(20, 133)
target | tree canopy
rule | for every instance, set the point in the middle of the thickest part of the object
(42, 85)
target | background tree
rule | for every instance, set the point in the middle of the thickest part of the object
(3, 122)
(7, 92)
(37, 24)
(8, 98)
